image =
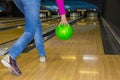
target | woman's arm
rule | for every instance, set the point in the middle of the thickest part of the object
(62, 12)
(60, 4)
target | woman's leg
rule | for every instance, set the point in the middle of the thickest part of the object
(31, 13)
(38, 33)
(39, 40)
(40, 43)
(9, 61)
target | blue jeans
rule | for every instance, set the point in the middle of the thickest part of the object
(32, 30)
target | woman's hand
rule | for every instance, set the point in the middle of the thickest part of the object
(63, 20)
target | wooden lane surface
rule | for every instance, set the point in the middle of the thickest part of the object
(9, 18)
(80, 58)
(13, 22)
(5, 19)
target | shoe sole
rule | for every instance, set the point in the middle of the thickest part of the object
(11, 69)
(43, 61)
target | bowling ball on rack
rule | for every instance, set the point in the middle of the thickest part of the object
(64, 31)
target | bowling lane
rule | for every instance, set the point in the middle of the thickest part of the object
(3, 19)
(14, 22)
(7, 19)
(11, 20)
(79, 58)
(12, 34)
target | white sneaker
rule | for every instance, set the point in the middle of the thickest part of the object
(11, 64)
(43, 58)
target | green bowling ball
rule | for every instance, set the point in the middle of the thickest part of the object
(64, 32)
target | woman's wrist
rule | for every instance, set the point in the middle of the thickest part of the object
(63, 16)
(63, 19)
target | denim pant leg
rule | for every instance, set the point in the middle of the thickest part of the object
(38, 33)
(39, 40)
(31, 13)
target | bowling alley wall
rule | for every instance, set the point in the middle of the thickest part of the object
(111, 11)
